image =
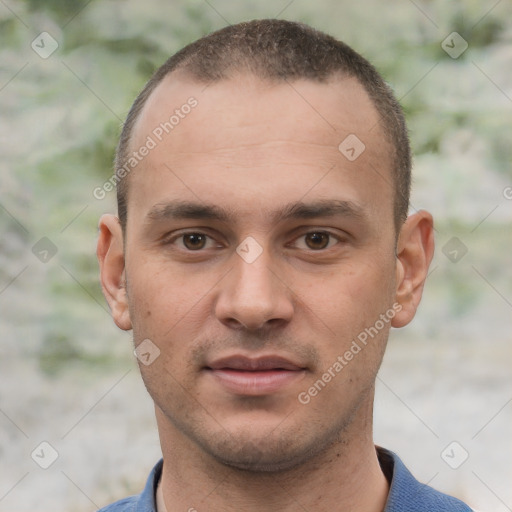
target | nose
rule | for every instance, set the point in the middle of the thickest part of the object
(253, 295)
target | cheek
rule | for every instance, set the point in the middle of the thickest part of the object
(172, 308)
(161, 299)
(353, 296)
(351, 303)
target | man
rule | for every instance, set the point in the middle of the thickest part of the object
(261, 254)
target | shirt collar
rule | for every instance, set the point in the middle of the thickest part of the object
(405, 492)
(146, 501)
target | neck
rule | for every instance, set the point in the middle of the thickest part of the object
(346, 476)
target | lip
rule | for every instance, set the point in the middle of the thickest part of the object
(243, 375)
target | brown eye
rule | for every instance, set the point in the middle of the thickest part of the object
(194, 241)
(317, 240)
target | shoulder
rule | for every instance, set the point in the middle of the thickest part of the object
(406, 494)
(143, 502)
(124, 505)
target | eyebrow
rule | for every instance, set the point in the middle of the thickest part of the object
(176, 210)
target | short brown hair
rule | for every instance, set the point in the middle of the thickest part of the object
(279, 50)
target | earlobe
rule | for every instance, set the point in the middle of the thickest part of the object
(112, 269)
(414, 254)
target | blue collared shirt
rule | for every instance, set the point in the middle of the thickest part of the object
(406, 494)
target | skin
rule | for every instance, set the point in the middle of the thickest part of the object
(251, 148)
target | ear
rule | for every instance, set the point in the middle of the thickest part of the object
(414, 253)
(112, 269)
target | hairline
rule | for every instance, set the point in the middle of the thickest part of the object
(181, 71)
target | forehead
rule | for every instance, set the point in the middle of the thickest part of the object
(327, 111)
(284, 133)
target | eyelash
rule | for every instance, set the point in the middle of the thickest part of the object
(330, 234)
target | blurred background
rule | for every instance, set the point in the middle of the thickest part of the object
(69, 73)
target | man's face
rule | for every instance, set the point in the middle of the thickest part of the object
(251, 307)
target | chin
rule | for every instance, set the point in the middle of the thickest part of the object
(260, 462)
(268, 455)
